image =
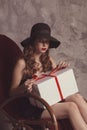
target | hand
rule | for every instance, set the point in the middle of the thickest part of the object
(62, 65)
(29, 83)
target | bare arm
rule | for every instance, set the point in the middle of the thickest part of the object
(17, 77)
(53, 63)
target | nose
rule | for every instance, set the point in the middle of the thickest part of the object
(44, 44)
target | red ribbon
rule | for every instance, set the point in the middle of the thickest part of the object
(58, 86)
(51, 74)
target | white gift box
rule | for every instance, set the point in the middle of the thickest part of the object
(55, 87)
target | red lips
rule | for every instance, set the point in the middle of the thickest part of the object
(43, 49)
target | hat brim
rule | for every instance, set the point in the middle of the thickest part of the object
(54, 43)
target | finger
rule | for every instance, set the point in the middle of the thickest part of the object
(30, 81)
(30, 88)
(62, 64)
(59, 65)
(28, 84)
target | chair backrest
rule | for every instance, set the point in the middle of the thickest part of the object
(9, 55)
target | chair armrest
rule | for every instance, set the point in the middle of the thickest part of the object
(35, 122)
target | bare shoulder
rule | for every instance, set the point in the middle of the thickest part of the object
(21, 63)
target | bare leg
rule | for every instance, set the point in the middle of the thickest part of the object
(81, 103)
(70, 110)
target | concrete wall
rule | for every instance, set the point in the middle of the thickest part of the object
(68, 21)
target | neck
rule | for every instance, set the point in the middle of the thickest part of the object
(37, 55)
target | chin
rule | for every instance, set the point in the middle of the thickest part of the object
(43, 51)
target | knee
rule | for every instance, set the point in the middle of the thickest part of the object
(77, 97)
(72, 110)
(71, 107)
(74, 97)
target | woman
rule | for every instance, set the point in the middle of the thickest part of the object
(38, 61)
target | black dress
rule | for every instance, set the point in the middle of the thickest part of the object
(25, 108)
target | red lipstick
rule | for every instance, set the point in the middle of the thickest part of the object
(43, 49)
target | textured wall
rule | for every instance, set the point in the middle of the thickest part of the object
(68, 20)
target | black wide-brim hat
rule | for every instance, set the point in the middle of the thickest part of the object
(41, 31)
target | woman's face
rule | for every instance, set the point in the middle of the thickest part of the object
(41, 46)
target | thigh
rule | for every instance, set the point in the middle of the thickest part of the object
(60, 110)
